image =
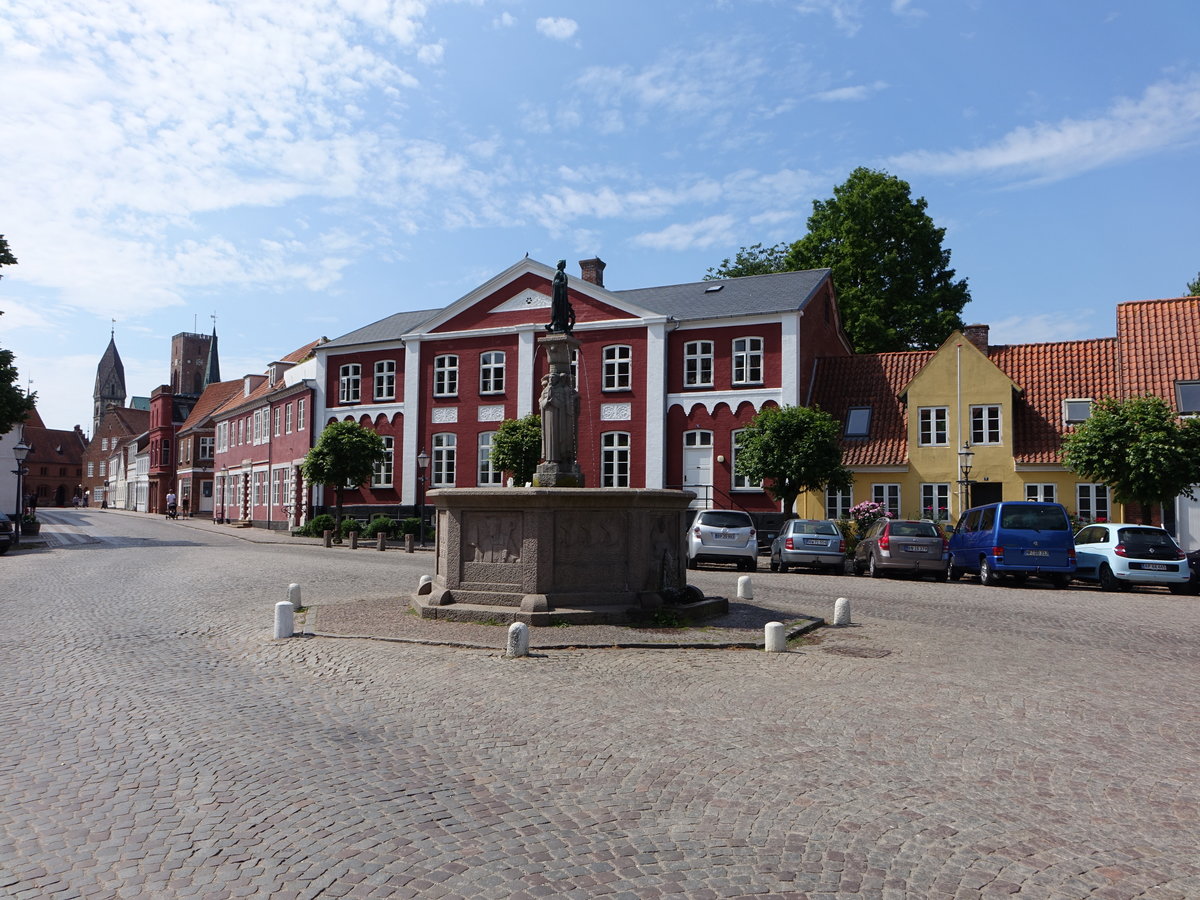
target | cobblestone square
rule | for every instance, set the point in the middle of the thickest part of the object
(956, 741)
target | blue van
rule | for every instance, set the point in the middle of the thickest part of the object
(1015, 538)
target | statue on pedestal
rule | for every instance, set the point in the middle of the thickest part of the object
(562, 316)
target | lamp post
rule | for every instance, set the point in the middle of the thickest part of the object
(422, 466)
(20, 451)
(966, 456)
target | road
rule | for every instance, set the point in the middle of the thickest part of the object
(956, 741)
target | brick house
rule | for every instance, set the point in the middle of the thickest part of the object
(54, 463)
(261, 436)
(117, 427)
(195, 443)
(667, 376)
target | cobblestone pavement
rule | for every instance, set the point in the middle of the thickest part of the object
(957, 741)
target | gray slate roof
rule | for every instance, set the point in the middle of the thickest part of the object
(389, 329)
(737, 296)
(750, 295)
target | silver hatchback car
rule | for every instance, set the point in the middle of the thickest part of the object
(809, 542)
(722, 536)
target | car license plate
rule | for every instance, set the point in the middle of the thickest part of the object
(815, 542)
(726, 537)
(1159, 567)
(916, 549)
(1037, 552)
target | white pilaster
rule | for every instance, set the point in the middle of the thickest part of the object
(656, 403)
(524, 374)
(789, 373)
(413, 410)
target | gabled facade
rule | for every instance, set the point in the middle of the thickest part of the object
(666, 376)
(907, 417)
(54, 464)
(118, 425)
(261, 436)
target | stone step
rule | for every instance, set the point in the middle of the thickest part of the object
(582, 615)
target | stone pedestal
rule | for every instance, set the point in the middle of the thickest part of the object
(559, 404)
(549, 555)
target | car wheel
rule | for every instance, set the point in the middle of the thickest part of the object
(987, 575)
(783, 567)
(691, 563)
(1108, 581)
(774, 565)
(953, 572)
(752, 565)
(872, 568)
(3, 549)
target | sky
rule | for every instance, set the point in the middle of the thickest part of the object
(287, 169)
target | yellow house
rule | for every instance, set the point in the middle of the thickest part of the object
(928, 434)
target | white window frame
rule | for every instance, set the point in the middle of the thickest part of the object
(300, 414)
(486, 474)
(614, 459)
(986, 423)
(738, 482)
(277, 416)
(935, 500)
(445, 375)
(287, 420)
(491, 372)
(1041, 492)
(933, 426)
(698, 357)
(618, 368)
(838, 502)
(443, 462)
(276, 486)
(1092, 501)
(206, 447)
(91, 470)
(350, 383)
(887, 495)
(748, 360)
(384, 471)
(385, 379)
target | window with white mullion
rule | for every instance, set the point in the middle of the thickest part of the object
(445, 376)
(985, 424)
(932, 426)
(350, 383)
(491, 372)
(748, 360)
(698, 364)
(385, 379)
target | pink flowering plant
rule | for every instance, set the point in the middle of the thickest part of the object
(867, 513)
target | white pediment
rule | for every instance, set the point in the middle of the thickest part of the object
(528, 299)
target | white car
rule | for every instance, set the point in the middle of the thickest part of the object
(1118, 555)
(723, 536)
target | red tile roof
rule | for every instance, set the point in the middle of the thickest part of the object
(214, 397)
(874, 380)
(1159, 345)
(1048, 374)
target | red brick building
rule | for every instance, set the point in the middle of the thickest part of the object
(666, 375)
(262, 434)
(195, 443)
(54, 464)
(117, 427)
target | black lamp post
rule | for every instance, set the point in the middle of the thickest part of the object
(966, 456)
(20, 451)
(422, 467)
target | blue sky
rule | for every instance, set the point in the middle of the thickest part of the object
(300, 168)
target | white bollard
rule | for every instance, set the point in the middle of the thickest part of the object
(518, 640)
(294, 596)
(284, 620)
(841, 611)
(774, 638)
(425, 585)
(745, 588)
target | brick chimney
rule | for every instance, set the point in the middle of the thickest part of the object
(592, 270)
(977, 335)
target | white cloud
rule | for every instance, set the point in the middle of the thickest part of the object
(1166, 116)
(851, 92)
(1049, 327)
(556, 28)
(431, 54)
(905, 9)
(707, 232)
(846, 14)
(504, 20)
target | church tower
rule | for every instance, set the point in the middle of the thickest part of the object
(193, 357)
(110, 382)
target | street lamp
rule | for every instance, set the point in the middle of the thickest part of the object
(20, 451)
(966, 456)
(422, 466)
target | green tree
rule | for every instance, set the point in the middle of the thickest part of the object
(517, 447)
(793, 449)
(15, 404)
(894, 285)
(1193, 286)
(1139, 447)
(345, 454)
(754, 260)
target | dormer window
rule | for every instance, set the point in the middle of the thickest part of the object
(1076, 411)
(1187, 393)
(858, 421)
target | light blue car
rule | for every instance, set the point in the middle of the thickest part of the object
(1118, 555)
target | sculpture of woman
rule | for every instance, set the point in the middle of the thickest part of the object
(562, 316)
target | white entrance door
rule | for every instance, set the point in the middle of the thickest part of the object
(698, 466)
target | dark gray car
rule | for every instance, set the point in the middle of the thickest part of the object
(913, 546)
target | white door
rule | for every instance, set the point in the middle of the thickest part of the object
(697, 467)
